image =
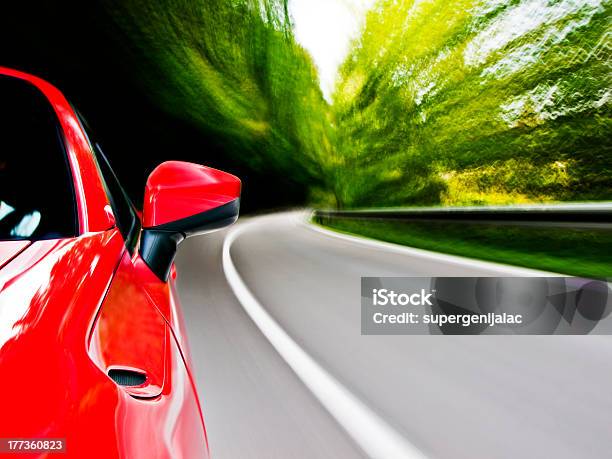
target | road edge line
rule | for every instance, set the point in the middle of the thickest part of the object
(368, 430)
(501, 268)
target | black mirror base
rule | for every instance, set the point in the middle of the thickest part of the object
(158, 244)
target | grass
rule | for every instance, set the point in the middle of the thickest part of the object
(584, 253)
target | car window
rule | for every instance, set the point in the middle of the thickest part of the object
(36, 190)
(123, 209)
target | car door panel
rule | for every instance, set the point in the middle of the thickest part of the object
(130, 333)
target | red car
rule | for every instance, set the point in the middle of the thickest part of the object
(94, 360)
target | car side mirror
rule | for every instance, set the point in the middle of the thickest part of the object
(182, 200)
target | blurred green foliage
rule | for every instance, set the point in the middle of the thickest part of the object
(476, 102)
(233, 68)
(438, 102)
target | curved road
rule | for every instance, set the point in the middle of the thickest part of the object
(445, 396)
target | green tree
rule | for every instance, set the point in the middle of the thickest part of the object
(476, 102)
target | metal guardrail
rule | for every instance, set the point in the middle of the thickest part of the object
(575, 215)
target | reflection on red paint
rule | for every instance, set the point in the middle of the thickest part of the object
(70, 310)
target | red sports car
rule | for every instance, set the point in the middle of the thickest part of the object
(93, 355)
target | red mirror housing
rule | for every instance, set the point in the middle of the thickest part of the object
(181, 200)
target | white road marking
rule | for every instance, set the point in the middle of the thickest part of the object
(377, 438)
(496, 269)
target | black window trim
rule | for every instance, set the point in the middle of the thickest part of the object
(131, 235)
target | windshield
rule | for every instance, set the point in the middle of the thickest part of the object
(36, 194)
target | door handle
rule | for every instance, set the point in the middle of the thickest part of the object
(127, 376)
(134, 381)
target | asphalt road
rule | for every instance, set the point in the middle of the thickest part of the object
(449, 397)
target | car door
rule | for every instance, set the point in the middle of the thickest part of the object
(134, 342)
(58, 258)
(77, 321)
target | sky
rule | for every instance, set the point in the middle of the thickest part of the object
(325, 29)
